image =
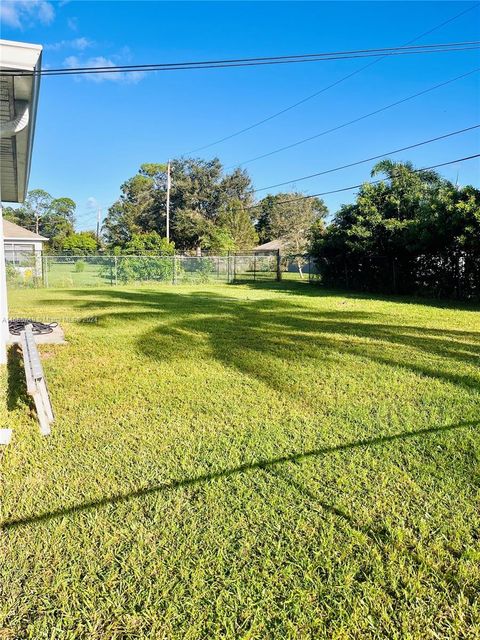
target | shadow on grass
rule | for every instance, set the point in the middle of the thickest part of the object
(226, 473)
(376, 535)
(16, 383)
(250, 335)
(316, 289)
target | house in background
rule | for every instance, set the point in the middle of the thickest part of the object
(23, 250)
(270, 247)
(288, 263)
(21, 245)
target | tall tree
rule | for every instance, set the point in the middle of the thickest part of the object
(235, 220)
(43, 214)
(412, 231)
(140, 207)
(200, 190)
(58, 222)
(31, 214)
(289, 217)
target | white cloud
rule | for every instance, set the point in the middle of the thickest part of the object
(124, 55)
(46, 12)
(72, 23)
(20, 14)
(92, 203)
(121, 77)
(77, 43)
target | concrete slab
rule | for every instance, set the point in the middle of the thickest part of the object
(56, 337)
(5, 436)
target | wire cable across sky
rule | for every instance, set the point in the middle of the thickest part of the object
(324, 193)
(446, 47)
(377, 157)
(357, 186)
(349, 122)
(326, 88)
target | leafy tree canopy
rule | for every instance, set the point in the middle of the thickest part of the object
(235, 220)
(413, 223)
(289, 217)
(81, 243)
(51, 217)
(149, 244)
(199, 191)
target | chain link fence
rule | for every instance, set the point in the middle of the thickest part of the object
(258, 266)
(23, 269)
(300, 267)
(55, 271)
(455, 276)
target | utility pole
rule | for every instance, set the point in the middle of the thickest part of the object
(99, 215)
(37, 218)
(168, 199)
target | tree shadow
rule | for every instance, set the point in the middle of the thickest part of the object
(249, 335)
(16, 384)
(289, 287)
(316, 289)
(265, 464)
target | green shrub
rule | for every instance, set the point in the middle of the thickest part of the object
(139, 269)
(79, 266)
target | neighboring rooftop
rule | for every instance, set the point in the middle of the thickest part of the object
(273, 245)
(12, 231)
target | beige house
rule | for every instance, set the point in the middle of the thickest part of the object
(21, 245)
(273, 245)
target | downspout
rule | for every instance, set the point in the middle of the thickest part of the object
(12, 127)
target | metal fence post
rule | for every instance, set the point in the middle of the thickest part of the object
(45, 271)
(279, 266)
(174, 270)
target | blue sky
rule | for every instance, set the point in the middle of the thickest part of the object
(93, 133)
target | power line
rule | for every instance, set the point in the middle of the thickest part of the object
(346, 124)
(248, 62)
(287, 58)
(86, 214)
(146, 68)
(381, 155)
(324, 89)
(357, 186)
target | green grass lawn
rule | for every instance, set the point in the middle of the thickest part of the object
(65, 275)
(244, 461)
